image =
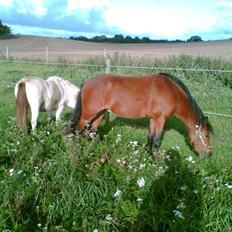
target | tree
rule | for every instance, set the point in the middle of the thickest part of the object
(119, 38)
(4, 29)
(194, 38)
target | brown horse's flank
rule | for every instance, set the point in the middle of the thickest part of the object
(22, 105)
(157, 97)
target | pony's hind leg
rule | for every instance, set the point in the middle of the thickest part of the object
(34, 117)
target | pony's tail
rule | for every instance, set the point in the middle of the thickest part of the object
(22, 105)
(77, 112)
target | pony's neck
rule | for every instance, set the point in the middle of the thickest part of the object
(191, 121)
(72, 93)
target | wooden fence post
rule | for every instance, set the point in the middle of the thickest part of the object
(47, 55)
(107, 62)
(7, 53)
(107, 71)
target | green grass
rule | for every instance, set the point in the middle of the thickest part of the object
(51, 182)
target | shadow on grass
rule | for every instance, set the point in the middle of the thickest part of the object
(171, 123)
(173, 203)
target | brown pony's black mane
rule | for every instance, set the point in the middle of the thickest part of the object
(202, 118)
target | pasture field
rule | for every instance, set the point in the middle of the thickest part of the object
(53, 182)
(33, 48)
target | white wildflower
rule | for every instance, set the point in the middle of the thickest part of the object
(119, 138)
(139, 200)
(11, 171)
(141, 182)
(176, 148)
(190, 159)
(183, 187)
(178, 213)
(160, 171)
(95, 230)
(181, 206)
(117, 193)
(92, 135)
(39, 224)
(141, 166)
(69, 136)
(134, 144)
(229, 186)
(19, 172)
(109, 217)
(195, 191)
(58, 227)
(136, 152)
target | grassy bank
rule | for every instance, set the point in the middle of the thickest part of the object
(51, 182)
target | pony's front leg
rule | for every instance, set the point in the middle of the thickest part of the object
(58, 113)
(151, 136)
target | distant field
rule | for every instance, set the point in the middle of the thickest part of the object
(33, 47)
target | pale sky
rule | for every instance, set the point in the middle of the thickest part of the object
(157, 19)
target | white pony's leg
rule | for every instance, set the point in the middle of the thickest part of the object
(58, 112)
(34, 117)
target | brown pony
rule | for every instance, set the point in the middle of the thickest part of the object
(157, 97)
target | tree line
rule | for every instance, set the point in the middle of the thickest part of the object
(119, 38)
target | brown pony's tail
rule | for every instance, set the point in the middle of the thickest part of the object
(22, 105)
(77, 112)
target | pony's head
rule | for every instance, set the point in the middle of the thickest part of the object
(200, 138)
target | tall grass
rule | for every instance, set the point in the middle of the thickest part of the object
(52, 182)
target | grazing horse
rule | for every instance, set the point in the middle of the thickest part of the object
(157, 97)
(43, 95)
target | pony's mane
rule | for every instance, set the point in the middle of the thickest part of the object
(201, 117)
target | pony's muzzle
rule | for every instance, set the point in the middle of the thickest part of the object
(206, 154)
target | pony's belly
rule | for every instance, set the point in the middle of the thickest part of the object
(129, 112)
(48, 108)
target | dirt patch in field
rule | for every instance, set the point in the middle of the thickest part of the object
(34, 48)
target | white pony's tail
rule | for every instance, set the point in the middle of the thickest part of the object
(22, 104)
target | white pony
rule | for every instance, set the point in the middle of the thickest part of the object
(43, 95)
